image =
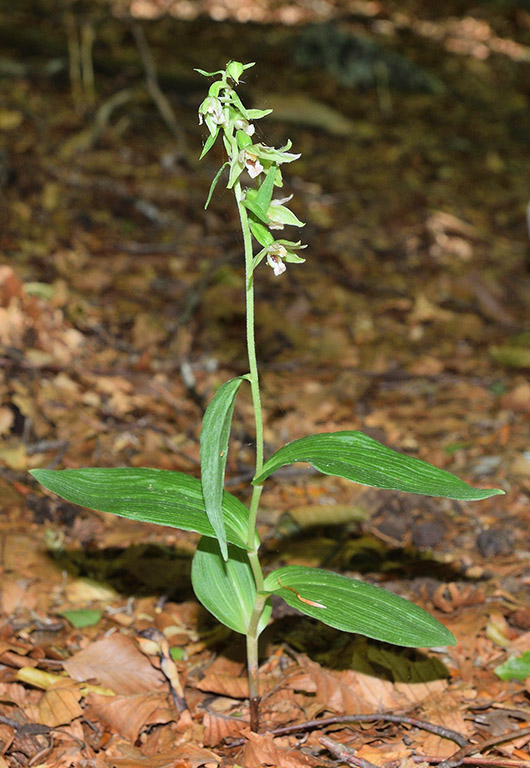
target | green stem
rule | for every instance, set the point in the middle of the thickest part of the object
(252, 363)
(252, 661)
(252, 632)
(256, 569)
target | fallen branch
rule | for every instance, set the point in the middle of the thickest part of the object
(459, 757)
(87, 138)
(439, 730)
(345, 754)
(480, 761)
(153, 87)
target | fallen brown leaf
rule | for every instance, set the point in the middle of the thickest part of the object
(260, 751)
(127, 715)
(59, 706)
(116, 663)
(346, 692)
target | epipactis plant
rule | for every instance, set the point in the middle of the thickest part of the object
(227, 574)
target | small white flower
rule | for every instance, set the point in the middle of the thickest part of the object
(212, 107)
(243, 125)
(252, 163)
(274, 261)
(275, 255)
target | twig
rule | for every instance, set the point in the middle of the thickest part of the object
(345, 754)
(88, 137)
(42, 446)
(25, 729)
(439, 730)
(458, 757)
(153, 86)
(74, 59)
(481, 761)
(87, 65)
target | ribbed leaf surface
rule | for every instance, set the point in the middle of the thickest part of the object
(226, 589)
(214, 448)
(151, 495)
(354, 606)
(357, 457)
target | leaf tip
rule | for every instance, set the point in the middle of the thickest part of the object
(497, 492)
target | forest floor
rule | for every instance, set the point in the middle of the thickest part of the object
(122, 311)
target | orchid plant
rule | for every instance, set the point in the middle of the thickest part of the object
(227, 574)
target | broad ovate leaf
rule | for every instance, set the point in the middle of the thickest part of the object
(353, 606)
(226, 588)
(357, 457)
(214, 448)
(151, 495)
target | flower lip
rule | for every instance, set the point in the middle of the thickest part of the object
(252, 164)
(274, 261)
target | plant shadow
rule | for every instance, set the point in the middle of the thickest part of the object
(138, 569)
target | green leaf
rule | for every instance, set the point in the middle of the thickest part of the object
(226, 589)
(293, 258)
(210, 141)
(238, 104)
(258, 258)
(82, 618)
(280, 216)
(357, 457)
(243, 140)
(257, 114)
(151, 495)
(264, 196)
(208, 74)
(235, 69)
(516, 668)
(273, 155)
(354, 606)
(214, 184)
(236, 169)
(250, 204)
(214, 448)
(216, 88)
(261, 233)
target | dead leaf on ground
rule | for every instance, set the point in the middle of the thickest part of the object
(185, 756)
(127, 715)
(347, 692)
(261, 751)
(116, 663)
(59, 706)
